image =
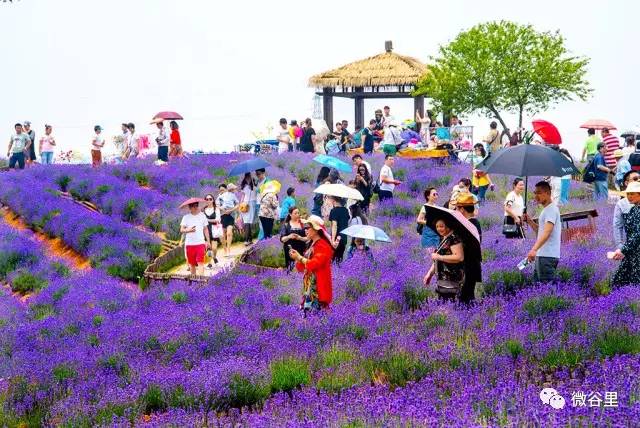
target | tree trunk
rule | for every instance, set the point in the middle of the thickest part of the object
(520, 109)
(497, 116)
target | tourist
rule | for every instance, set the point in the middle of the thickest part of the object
(345, 129)
(47, 145)
(629, 270)
(317, 290)
(289, 201)
(247, 206)
(634, 158)
(590, 149)
(134, 142)
(424, 123)
(622, 167)
(97, 143)
(175, 142)
(387, 117)
(357, 161)
(227, 203)
(357, 138)
(565, 181)
(463, 186)
(126, 136)
(611, 144)
(308, 139)
(261, 180)
(513, 211)
(546, 250)
(367, 135)
(339, 221)
(379, 120)
(480, 180)
(214, 225)
(392, 139)
(472, 267)
(622, 209)
(318, 199)
(18, 145)
(31, 150)
(492, 140)
(602, 171)
(292, 236)
(387, 182)
(630, 146)
(357, 216)
(283, 137)
(341, 136)
(448, 262)
(359, 246)
(194, 226)
(363, 182)
(268, 208)
(162, 140)
(429, 238)
(295, 133)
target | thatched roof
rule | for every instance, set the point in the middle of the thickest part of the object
(386, 69)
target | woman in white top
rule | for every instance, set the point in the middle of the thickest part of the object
(514, 209)
(425, 123)
(212, 213)
(248, 199)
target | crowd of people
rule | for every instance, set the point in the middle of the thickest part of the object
(24, 149)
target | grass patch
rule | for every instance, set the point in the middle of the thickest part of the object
(61, 269)
(396, 369)
(63, 372)
(336, 355)
(414, 295)
(25, 282)
(270, 324)
(617, 341)
(541, 306)
(561, 357)
(179, 297)
(434, 321)
(40, 311)
(285, 299)
(289, 373)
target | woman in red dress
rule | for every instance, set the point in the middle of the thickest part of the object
(316, 265)
(174, 139)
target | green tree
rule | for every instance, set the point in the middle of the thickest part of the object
(503, 66)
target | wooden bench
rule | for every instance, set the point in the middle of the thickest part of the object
(571, 232)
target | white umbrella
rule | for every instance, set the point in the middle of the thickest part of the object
(340, 191)
(370, 233)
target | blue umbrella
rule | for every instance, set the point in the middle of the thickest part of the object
(332, 162)
(248, 166)
(370, 233)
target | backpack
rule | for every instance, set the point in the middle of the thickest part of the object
(589, 173)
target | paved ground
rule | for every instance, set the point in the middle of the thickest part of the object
(223, 262)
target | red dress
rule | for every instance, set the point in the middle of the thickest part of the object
(317, 271)
(175, 137)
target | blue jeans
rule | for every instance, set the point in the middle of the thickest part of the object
(481, 192)
(16, 157)
(163, 153)
(601, 190)
(46, 158)
(564, 190)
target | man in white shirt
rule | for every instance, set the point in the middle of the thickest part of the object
(97, 143)
(194, 226)
(546, 251)
(19, 144)
(283, 136)
(162, 139)
(387, 182)
(387, 118)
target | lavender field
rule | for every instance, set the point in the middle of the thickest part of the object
(99, 347)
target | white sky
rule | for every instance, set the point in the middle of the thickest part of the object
(233, 67)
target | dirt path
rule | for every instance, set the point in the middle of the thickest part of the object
(223, 262)
(55, 246)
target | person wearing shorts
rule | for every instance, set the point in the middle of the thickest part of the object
(228, 203)
(197, 239)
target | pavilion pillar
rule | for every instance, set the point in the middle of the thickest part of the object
(446, 118)
(359, 108)
(418, 105)
(327, 106)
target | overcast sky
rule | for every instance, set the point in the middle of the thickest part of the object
(233, 67)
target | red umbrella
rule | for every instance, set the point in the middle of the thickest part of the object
(168, 115)
(190, 201)
(547, 131)
(598, 124)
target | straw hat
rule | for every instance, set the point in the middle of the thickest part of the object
(317, 223)
(633, 187)
(272, 186)
(618, 153)
(465, 199)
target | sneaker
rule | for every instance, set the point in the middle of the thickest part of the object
(209, 266)
(215, 261)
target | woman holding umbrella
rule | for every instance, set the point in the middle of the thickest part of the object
(448, 262)
(197, 238)
(316, 265)
(175, 140)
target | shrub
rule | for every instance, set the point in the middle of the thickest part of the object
(179, 297)
(131, 210)
(141, 178)
(512, 347)
(10, 260)
(397, 368)
(87, 235)
(25, 282)
(504, 282)
(289, 373)
(435, 320)
(117, 363)
(97, 320)
(285, 299)
(336, 355)
(305, 175)
(355, 288)
(61, 269)
(414, 295)
(63, 372)
(245, 392)
(63, 182)
(564, 274)
(561, 357)
(617, 341)
(40, 311)
(270, 324)
(540, 306)
(60, 293)
(336, 382)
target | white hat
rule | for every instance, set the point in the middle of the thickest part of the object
(633, 187)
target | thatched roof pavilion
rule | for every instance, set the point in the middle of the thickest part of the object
(387, 75)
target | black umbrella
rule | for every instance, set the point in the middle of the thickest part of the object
(527, 160)
(463, 228)
(634, 134)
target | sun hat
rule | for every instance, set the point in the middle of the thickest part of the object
(272, 186)
(317, 223)
(633, 187)
(231, 187)
(465, 199)
(618, 153)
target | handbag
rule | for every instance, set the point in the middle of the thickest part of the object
(509, 228)
(216, 231)
(376, 187)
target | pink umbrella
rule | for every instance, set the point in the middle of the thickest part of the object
(190, 201)
(168, 115)
(598, 124)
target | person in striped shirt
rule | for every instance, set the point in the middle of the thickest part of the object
(612, 144)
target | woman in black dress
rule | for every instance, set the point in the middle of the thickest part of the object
(629, 270)
(292, 236)
(363, 185)
(339, 221)
(212, 213)
(448, 259)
